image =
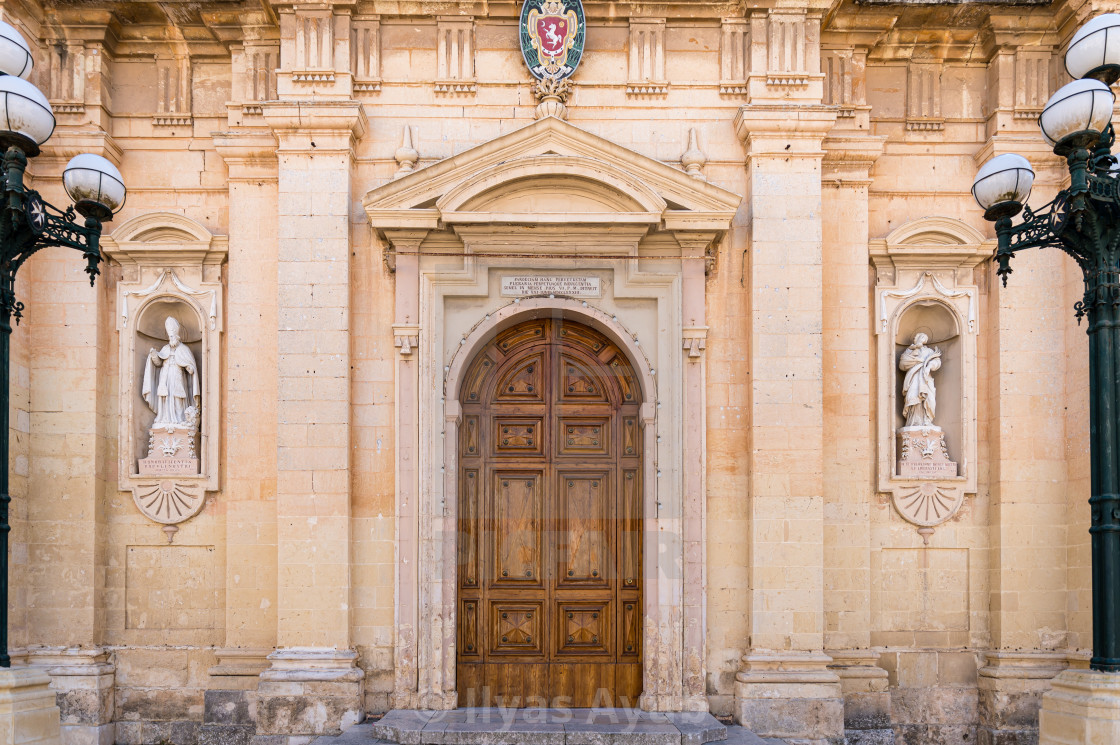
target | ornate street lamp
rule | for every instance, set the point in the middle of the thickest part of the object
(27, 223)
(1083, 221)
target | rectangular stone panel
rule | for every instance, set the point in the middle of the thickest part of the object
(921, 589)
(172, 587)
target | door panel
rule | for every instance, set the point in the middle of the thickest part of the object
(585, 546)
(550, 548)
(518, 530)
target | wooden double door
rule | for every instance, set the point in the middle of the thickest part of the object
(550, 543)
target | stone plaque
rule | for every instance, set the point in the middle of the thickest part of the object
(923, 454)
(528, 284)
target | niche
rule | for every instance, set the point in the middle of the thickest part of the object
(939, 326)
(925, 285)
(164, 448)
(170, 392)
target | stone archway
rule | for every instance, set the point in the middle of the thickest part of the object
(554, 204)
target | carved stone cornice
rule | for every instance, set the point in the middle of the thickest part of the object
(249, 154)
(848, 159)
(783, 129)
(315, 126)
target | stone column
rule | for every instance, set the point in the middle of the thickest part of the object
(694, 264)
(1032, 501)
(314, 663)
(848, 442)
(70, 329)
(249, 492)
(785, 688)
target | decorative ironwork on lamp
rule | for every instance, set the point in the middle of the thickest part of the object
(1083, 221)
(28, 223)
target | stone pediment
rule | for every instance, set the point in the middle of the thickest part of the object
(550, 172)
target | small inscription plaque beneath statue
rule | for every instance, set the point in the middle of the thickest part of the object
(530, 284)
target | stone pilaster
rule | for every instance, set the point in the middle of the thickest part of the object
(251, 389)
(315, 156)
(83, 680)
(785, 688)
(867, 700)
(1039, 509)
(69, 446)
(847, 383)
(1011, 686)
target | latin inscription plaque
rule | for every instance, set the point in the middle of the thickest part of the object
(530, 284)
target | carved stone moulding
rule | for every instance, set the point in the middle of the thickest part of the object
(171, 285)
(925, 285)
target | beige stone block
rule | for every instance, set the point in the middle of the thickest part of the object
(1082, 708)
(28, 713)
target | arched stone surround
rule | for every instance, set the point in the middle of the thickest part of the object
(650, 261)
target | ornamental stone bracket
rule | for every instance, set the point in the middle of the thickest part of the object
(925, 285)
(171, 279)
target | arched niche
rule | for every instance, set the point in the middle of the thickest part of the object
(942, 327)
(925, 283)
(171, 268)
(151, 334)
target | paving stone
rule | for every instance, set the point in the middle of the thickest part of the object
(495, 726)
(697, 727)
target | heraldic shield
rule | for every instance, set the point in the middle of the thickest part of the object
(552, 37)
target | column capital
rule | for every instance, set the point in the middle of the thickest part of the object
(249, 154)
(784, 129)
(315, 126)
(848, 159)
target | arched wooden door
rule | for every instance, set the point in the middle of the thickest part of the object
(550, 547)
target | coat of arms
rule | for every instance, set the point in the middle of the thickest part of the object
(552, 37)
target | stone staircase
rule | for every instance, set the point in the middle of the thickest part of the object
(544, 727)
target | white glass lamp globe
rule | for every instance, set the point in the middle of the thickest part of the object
(95, 185)
(1082, 108)
(1003, 184)
(26, 118)
(1095, 49)
(15, 55)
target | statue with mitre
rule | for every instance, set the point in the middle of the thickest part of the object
(172, 391)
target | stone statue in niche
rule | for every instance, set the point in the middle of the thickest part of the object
(922, 449)
(171, 388)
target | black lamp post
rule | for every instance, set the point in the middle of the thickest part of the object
(1083, 220)
(27, 224)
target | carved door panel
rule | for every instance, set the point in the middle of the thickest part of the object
(549, 573)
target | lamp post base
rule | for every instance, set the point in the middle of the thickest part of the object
(1082, 708)
(28, 711)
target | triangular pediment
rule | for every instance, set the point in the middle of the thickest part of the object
(550, 171)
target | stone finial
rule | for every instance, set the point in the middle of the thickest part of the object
(406, 155)
(553, 94)
(693, 159)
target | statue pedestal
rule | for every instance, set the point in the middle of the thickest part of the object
(922, 454)
(170, 453)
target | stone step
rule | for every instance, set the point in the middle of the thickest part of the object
(540, 727)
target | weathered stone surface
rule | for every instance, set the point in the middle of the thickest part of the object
(792, 718)
(225, 734)
(934, 734)
(229, 707)
(883, 736)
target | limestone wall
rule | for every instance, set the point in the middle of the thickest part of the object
(879, 118)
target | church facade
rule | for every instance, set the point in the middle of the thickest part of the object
(419, 379)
